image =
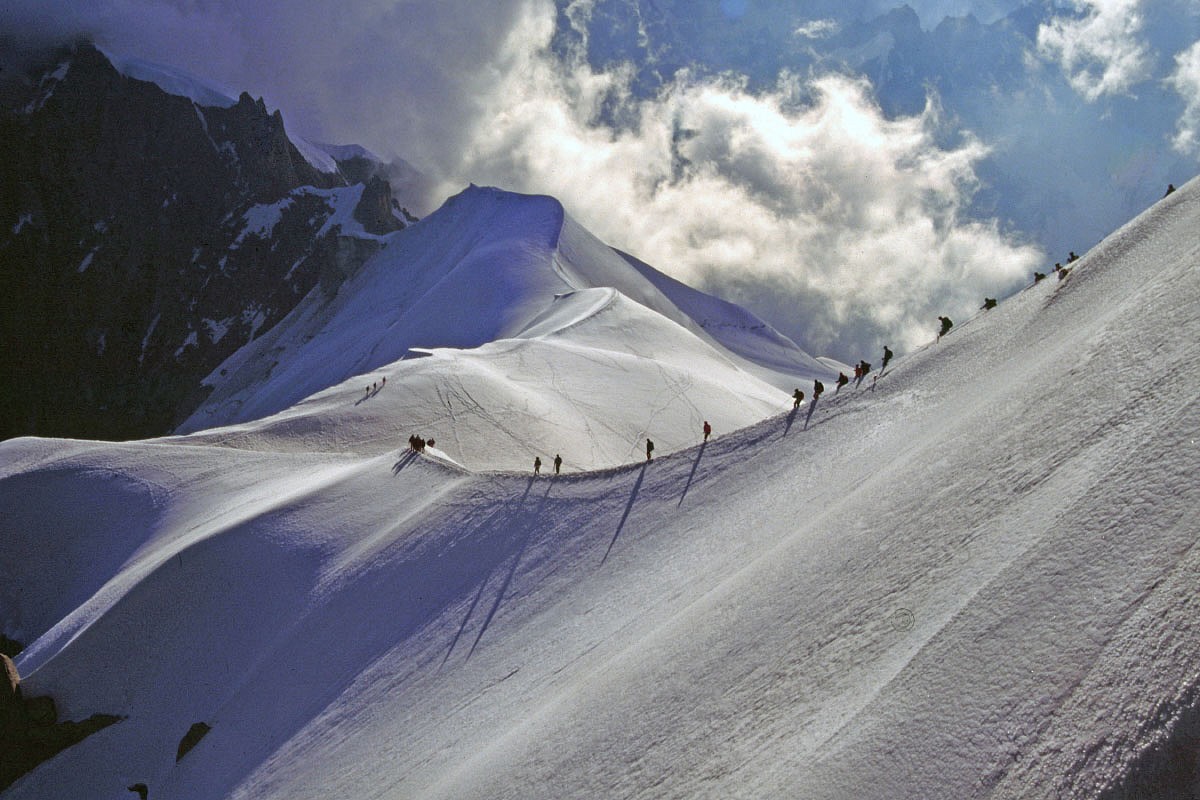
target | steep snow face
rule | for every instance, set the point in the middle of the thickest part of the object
(345, 152)
(315, 154)
(973, 578)
(325, 157)
(757, 346)
(731, 328)
(493, 266)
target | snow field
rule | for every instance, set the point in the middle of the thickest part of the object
(599, 374)
(975, 579)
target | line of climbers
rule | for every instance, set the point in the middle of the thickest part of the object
(375, 388)
(1059, 270)
(537, 460)
(417, 444)
(990, 302)
(860, 372)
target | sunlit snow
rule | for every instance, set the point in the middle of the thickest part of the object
(975, 577)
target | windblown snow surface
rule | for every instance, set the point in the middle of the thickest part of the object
(975, 578)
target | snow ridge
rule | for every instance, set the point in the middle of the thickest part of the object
(501, 287)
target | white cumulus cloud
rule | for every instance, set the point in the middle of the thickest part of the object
(1100, 47)
(842, 227)
(1186, 81)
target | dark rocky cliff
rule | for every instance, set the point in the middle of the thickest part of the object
(144, 238)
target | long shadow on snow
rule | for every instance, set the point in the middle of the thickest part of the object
(628, 507)
(524, 528)
(404, 461)
(811, 408)
(790, 419)
(696, 463)
(759, 435)
(367, 396)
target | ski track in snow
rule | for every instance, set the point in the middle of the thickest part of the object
(974, 578)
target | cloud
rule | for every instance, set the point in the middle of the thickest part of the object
(1100, 48)
(1186, 81)
(842, 227)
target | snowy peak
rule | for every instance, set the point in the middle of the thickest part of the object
(589, 379)
(491, 266)
(604, 319)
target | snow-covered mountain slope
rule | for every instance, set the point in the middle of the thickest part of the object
(975, 578)
(589, 380)
(591, 351)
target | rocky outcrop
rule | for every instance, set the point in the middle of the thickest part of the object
(192, 738)
(268, 165)
(143, 239)
(375, 210)
(10, 647)
(30, 732)
(10, 686)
